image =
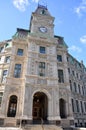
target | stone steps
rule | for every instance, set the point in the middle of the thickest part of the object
(34, 127)
(65, 122)
(40, 127)
(10, 122)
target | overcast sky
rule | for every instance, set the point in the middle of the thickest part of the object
(70, 21)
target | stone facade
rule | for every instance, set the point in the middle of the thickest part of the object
(36, 73)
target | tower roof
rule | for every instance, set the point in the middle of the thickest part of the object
(42, 9)
(42, 6)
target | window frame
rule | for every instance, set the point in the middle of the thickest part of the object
(1, 96)
(20, 52)
(7, 59)
(60, 76)
(42, 68)
(1, 49)
(4, 75)
(59, 58)
(42, 50)
(17, 70)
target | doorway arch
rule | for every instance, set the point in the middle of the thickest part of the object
(12, 107)
(62, 107)
(40, 106)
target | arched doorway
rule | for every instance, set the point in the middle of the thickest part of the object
(62, 107)
(40, 106)
(12, 106)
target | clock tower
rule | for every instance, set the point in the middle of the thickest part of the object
(42, 22)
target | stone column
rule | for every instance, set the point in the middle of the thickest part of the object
(70, 112)
(54, 107)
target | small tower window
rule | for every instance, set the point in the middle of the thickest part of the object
(43, 12)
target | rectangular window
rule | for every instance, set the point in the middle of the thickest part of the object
(73, 73)
(5, 73)
(70, 85)
(77, 75)
(1, 49)
(72, 101)
(42, 68)
(77, 106)
(17, 70)
(81, 106)
(7, 45)
(59, 58)
(67, 59)
(79, 89)
(20, 52)
(75, 87)
(7, 60)
(60, 76)
(69, 70)
(1, 95)
(85, 106)
(82, 90)
(42, 49)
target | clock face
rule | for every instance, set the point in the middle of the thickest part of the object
(43, 29)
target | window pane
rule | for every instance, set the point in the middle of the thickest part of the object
(85, 106)
(77, 106)
(70, 85)
(7, 59)
(42, 68)
(75, 87)
(20, 52)
(17, 71)
(2, 49)
(5, 73)
(42, 49)
(81, 106)
(72, 101)
(41, 65)
(1, 95)
(59, 58)
(79, 89)
(7, 45)
(60, 76)
(73, 73)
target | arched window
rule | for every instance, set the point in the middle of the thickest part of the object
(12, 106)
(62, 107)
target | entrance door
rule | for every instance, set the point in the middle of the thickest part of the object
(40, 106)
(37, 112)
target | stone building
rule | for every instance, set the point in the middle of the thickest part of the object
(39, 79)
